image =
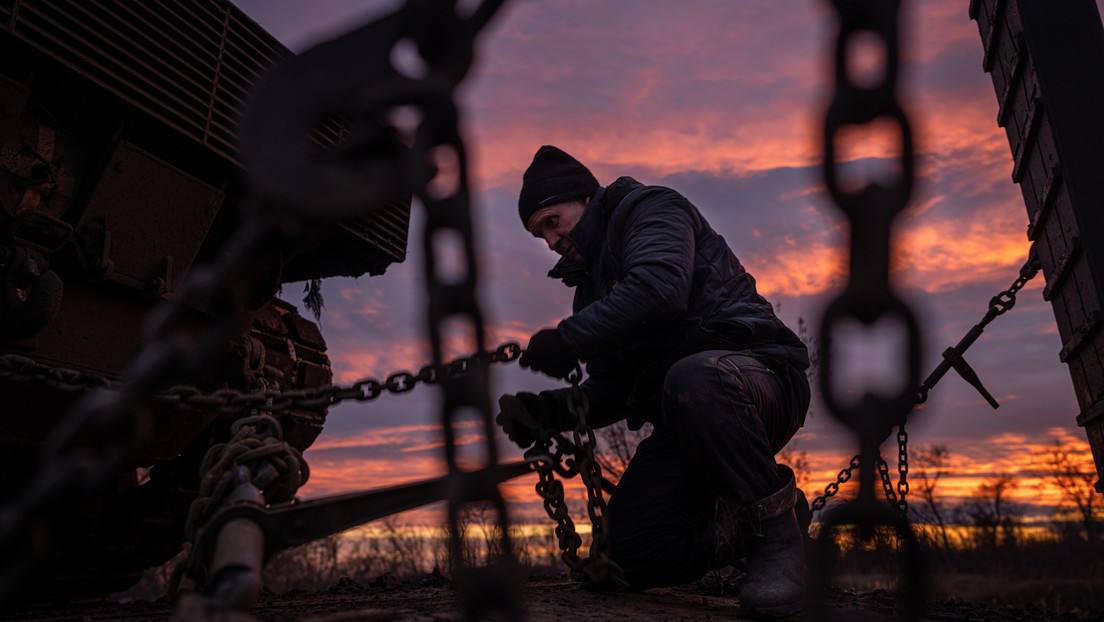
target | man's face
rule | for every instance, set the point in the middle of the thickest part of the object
(553, 223)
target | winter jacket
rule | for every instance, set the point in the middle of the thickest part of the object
(656, 284)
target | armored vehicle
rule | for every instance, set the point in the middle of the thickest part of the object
(119, 172)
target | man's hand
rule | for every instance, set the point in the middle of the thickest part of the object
(516, 420)
(548, 353)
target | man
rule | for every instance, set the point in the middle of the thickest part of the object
(673, 332)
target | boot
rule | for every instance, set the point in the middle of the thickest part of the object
(775, 585)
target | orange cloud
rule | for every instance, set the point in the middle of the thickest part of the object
(941, 255)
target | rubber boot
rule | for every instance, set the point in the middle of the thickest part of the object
(775, 585)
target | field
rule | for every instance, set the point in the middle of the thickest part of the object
(384, 578)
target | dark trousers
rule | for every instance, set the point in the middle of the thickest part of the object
(724, 416)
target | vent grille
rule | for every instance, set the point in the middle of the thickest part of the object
(188, 64)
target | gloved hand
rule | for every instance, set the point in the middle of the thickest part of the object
(522, 415)
(548, 353)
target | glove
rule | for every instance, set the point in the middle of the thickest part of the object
(548, 353)
(522, 415)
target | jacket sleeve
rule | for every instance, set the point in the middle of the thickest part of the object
(657, 258)
(606, 388)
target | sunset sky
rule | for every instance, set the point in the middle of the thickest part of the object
(722, 101)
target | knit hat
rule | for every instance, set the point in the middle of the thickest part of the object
(553, 177)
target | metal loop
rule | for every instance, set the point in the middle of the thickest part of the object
(400, 382)
(874, 414)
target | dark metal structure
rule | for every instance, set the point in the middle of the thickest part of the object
(1046, 60)
(119, 172)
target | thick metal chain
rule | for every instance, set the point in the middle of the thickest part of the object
(551, 491)
(998, 305)
(255, 454)
(598, 569)
(374, 168)
(231, 402)
(93, 442)
(601, 570)
(868, 296)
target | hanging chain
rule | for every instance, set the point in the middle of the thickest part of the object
(895, 497)
(570, 459)
(869, 297)
(601, 569)
(998, 305)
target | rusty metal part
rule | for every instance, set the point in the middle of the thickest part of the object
(97, 438)
(238, 556)
(868, 295)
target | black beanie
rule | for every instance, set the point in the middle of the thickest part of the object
(553, 177)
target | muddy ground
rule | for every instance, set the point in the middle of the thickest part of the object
(542, 599)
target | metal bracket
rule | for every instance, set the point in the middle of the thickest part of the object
(968, 374)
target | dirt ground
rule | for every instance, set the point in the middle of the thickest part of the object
(541, 599)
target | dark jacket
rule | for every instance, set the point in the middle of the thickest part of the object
(657, 284)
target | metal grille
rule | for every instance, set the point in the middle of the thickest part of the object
(189, 64)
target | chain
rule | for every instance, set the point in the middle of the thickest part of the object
(601, 570)
(551, 491)
(255, 454)
(902, 470)
(868, 296)
(431, 164)
(998, 305)
(896, 497)
(598, 569)
(15, 368)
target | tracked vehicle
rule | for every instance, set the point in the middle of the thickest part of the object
(119, 173)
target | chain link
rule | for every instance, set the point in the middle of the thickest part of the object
(599, 569)
(998, 305)
(868, 297)
(230, 402)
(255, 454)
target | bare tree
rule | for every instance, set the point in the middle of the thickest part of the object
(994, 516)
(406, 547)
(1072, 471)
(933, 465)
